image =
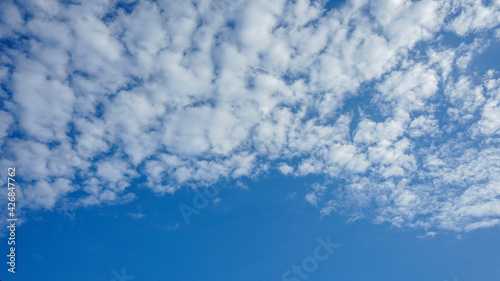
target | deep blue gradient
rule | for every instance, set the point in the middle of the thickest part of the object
(254, 234)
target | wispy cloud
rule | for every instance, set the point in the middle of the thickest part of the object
(136, 216)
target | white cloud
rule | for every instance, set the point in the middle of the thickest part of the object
(136, 216)
(46, 195)
(465, 98)
(430, 233)
(424, 126)
(285, 169)
(490, 115)
(44, 105)
(314, 196)
(474, 16)
(11, 19)
(7, 120)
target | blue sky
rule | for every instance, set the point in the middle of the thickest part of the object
(249, 235)
(353, 140)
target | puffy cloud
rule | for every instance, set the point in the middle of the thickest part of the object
(423, 126)
(285, 169)
(11, 19)
(7, 120)
(465, 98)
(45, 195)
(314, 196)
(474, 16)
(45, 105)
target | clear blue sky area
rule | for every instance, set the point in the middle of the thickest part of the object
(256, 234)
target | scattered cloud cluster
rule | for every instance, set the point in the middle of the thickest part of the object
(100, 98)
